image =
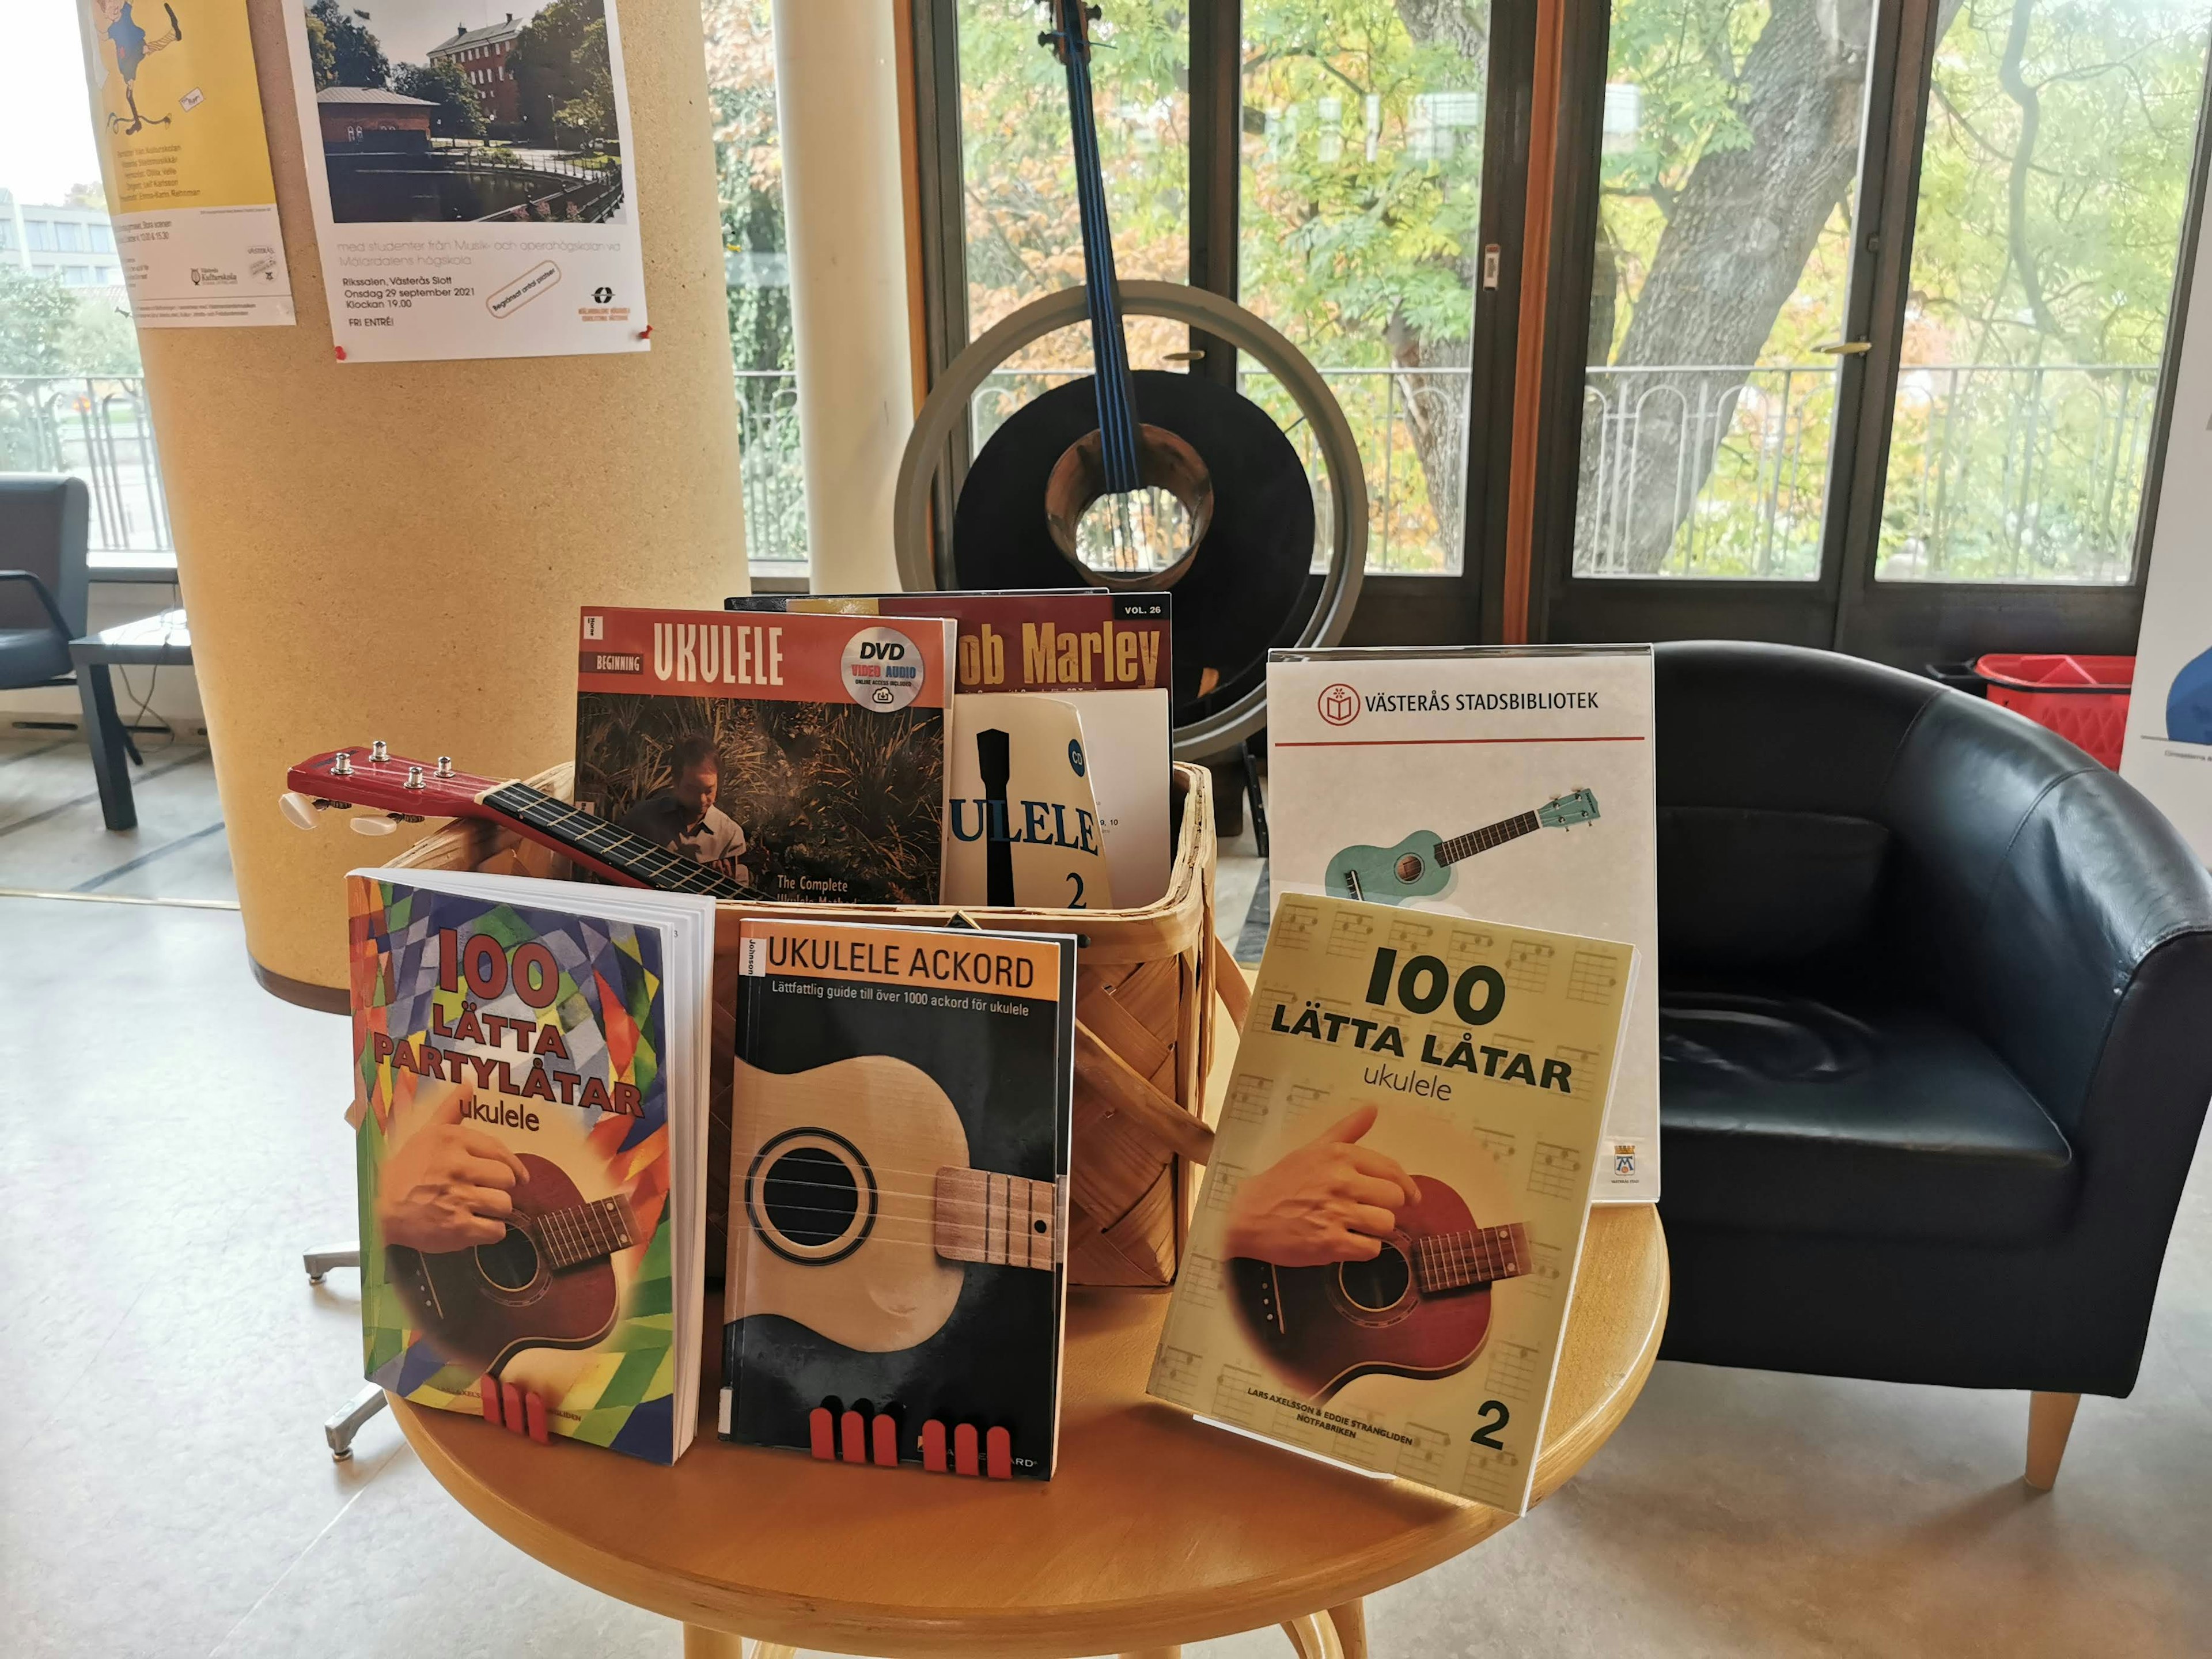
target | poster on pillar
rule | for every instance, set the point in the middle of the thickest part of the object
(470, 169)
(2169, 751)
(176, 110)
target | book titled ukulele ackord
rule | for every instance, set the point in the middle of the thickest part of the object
(803, 757)
(530, 1108)
(1484, 781)
(1381, 1264)
(899, 1137)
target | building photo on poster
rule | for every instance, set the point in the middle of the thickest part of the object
(470, 167)
(177, 113)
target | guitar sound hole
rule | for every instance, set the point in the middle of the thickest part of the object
(512, 1263)
(1377, 1285)
(1409, 868)
(810, 1195)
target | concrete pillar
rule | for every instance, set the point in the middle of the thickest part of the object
(837, 104)
(399, 550)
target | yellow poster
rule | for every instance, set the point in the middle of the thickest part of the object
(177, 110)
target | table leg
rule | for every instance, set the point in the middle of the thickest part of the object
(103, 731)
(1314, 1636)
(1351, 1622)
(700, 1642)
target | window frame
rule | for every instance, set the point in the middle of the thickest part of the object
(1907, 623)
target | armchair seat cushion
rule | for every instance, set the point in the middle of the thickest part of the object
(1786, 1112)
(31, 656)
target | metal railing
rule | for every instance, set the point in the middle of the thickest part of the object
(1997, 471)
(96, 427)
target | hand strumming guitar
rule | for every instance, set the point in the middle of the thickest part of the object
(447, 1186)
(1331, 1199)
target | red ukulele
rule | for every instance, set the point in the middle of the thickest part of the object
(547, 1283)
(1420, 1308)
(387, 792)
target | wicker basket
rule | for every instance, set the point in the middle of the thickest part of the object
(1145, 985)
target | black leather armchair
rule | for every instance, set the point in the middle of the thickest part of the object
(1936, 1034)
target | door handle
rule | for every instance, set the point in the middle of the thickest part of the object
(1846, 348)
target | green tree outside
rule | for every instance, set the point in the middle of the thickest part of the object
(355, 58)
(460, 112)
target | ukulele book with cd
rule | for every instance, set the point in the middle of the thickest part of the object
(802, 756)
(1386, 1243)
(530, 1076)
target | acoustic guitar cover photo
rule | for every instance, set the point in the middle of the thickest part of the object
(899, 1135)
(1386, 1243)
(530, 1122)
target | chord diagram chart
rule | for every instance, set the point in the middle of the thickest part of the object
(1299, 1099)
(1353, 935)
(1424, 1460)
(1222, 1181)
(1175, 1375)
(1408, 934)
(1294, 925)
(1203, 1283)
(1592, 976)
(1471, 942)
(1499, 1145)
(1543, 1275)
(1514, 1371)
(1247, 1097)
(1235, 1403)
(1552, 1173)
(1576, 1057)
(1529, 964)
(1491, 1477)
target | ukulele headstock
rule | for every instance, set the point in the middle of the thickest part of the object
(394, 789)
(1071, 27)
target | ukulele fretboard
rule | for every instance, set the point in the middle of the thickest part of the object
(1005, 1221)
(1482, 840)
(610, 843)
(585, 1232)
(1452, 1261)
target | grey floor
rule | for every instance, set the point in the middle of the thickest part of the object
(170, 1140)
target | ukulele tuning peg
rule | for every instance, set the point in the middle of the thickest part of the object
(445, 766)
(377, 751)
(373, 826)
(1046, 37)
(342, 764)
(298, 809)
(414, 777)
(1094, 13)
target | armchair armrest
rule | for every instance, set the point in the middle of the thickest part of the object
(45, 598)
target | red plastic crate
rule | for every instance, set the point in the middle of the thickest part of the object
(2083, 699)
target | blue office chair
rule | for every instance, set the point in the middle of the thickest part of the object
(44, 581)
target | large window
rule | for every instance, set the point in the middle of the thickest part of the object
(1363, 149)
(2055, 164)
(2052, 191)
(756, 268)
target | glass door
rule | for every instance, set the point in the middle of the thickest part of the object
(1877, 299)
(1349, 170)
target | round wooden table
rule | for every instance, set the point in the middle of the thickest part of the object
(1156, 1530)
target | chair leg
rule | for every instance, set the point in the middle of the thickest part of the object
(319, 1262)
(345, 1423)
(2050, 1420)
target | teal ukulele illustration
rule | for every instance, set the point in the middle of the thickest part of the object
(1420, 867)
